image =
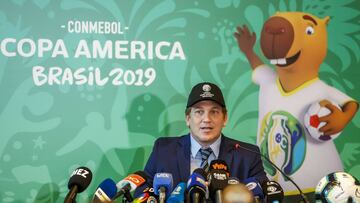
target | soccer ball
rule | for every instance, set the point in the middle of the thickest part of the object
(312, 123)
(339, 187)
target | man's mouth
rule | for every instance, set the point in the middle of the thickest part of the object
(206, 128)
(283, 62)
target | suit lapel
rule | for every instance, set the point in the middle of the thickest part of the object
(226, 149)
(183, 157)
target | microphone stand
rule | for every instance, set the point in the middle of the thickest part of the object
(122, 191)
(71, 196)
(218, 196)
(127, 198)
(162, 195)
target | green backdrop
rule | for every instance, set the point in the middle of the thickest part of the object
(47, 131)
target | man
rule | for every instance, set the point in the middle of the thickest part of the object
(205, 116)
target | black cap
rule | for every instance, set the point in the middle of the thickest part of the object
(205, 91)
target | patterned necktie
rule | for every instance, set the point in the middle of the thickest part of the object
(205, 153)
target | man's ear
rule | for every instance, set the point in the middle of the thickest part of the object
(226, 119)
(187, 120)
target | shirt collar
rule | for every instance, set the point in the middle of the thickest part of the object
(195, 146)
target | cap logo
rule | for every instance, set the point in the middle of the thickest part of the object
(206, 88)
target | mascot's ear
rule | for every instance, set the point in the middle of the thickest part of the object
(326, 20)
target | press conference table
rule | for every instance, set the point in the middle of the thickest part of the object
(297, 198)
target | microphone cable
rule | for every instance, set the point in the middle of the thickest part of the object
(303, 196)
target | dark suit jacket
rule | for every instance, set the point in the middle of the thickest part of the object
(172, 155)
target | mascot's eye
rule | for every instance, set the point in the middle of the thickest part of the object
(310, 30)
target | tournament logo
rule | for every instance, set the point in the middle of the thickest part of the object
(206, 88)
(282, 140)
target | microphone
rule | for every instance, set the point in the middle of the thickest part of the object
(237, 146)
(218, 180)
(163, 185)
(233, 181)
(196, 186)
(105, 192)
(273, 192)
(78, 182)
(130, 183)
(147, 196)
(142, 198)
(178, 195)
(254, 186)
(219, 164)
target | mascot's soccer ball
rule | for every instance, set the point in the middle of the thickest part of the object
(312, 123)
(339, 187)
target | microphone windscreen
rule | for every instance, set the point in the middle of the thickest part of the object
(196, 179)
(109, 187)
(219, 164)
(273, 191)
(178, 195)
(134, 180)
(254, 186)
(81, 177)
(163, 180)
(201, 172)
(142, 174)
(142, 198)
(218, 180)
(147, 195)
(233, 181)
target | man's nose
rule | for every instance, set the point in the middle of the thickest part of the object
(206, 117)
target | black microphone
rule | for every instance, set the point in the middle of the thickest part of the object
(218, 180)
(237, 146)
(80, 179)
(273, 191)
(219, 164)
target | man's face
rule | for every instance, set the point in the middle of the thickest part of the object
(206, 119)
